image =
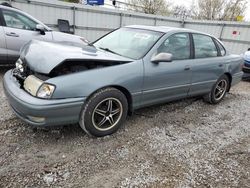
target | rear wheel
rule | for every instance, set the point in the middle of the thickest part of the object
(104, 112)
(218, 91)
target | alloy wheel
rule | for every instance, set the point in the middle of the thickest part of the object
(107, 114)
(220, 89)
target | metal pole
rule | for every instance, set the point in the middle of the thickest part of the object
(221, 32)
(183, 19)
(155, 22)
(121, 19)
(183, 22)
(74, 19)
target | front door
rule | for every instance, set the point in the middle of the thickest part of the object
(3, 50)
(167, 81)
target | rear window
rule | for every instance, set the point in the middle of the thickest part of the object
(204, 46)
(221, 48)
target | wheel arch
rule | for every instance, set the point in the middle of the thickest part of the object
(230, 80)
(122, 89)
(128, 96)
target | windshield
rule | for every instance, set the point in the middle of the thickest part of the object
(129, 42)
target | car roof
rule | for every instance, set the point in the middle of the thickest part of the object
(164, 29)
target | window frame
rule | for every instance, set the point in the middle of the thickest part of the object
(213, 39)
(190, 44)
(5, 25)
(2, 21)
(218, 44)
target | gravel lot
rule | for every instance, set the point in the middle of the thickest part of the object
(181, 144)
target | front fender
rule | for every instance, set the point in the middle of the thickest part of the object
(83, 84)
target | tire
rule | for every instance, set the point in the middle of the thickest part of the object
(212, 97)
(104, 112)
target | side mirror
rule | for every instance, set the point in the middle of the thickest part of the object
(162, 57)
(40, 28)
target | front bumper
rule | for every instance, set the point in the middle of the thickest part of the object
(51, 112)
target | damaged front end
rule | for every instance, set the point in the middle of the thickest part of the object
(35, 83)
(32, 82)
(22, 71)
(35, 66)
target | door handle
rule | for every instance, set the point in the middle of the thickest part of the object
(12, 34)
(220, 65)
(187, 67)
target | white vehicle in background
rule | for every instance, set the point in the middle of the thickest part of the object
(18, 28)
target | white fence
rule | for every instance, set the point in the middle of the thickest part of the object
(93, 22)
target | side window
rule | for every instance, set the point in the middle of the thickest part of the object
(204, 46)
(221, 48)
(16, 20)
(178, 45)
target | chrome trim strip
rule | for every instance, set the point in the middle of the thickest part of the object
(205, 82)
(136, 93)
(175, 87)
(166, 88)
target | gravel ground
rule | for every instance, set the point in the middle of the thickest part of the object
(186, 143)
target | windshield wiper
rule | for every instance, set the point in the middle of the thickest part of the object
(108, 50)
(91, 44)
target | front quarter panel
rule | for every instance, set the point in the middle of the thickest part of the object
(128, 76)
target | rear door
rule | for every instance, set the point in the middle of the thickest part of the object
(19, 29)
(208, 64)
(3, 50)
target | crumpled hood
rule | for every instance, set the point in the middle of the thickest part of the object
(43, 56)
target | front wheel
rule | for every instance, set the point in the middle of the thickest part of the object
(218, 91)
(104, 112)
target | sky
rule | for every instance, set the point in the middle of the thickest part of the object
(247, 15)
(187, 3)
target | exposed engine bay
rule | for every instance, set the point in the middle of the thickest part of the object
(73, 66)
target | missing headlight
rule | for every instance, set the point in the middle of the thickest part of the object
(20, 66)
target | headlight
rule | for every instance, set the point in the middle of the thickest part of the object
(19, 65)
(46, 91)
